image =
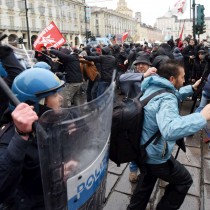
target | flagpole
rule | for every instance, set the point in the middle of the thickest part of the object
(27, 24)
(179, 26)
(48, 57)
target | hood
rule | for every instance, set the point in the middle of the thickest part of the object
(156, 82)
(165, 50)
(65, 51)
(105, 50)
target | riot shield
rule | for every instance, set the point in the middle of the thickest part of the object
(73, 149)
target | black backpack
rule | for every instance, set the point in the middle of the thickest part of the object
(127, 122)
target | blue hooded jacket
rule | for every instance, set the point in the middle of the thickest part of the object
(162, 113)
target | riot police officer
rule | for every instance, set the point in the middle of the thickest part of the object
(20, 176)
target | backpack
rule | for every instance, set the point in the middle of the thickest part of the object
(127, 122)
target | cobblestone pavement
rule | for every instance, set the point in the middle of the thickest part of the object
(119, 189)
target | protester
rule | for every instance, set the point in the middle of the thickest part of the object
(43, 55)
(205, 95)
(130, 84)
(20, 177)
(108, 64)
(74, 79)
(91, 73)
(163, 54)
(199, 65)
(189, 53)
(162, 113)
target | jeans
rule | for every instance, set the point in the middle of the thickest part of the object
(102, 86)
(91, 90)
(204, 100)
(133, 167)
(174, 173)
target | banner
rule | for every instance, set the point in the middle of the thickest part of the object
(49, 37)
(124, 36)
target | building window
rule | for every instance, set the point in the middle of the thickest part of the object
(11, 20)
(57, 13)
(50, 12)
(31, 8)
(43, 24)
(33, 23)
(23, 21)
(21, 5)
(42, 10)
(10, 3)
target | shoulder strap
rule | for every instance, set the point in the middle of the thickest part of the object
(156, 135)
(146, 100)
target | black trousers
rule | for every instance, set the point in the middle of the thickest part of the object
(174, 173)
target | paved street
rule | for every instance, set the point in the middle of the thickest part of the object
(119, 189)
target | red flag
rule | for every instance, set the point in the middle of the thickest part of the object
(124, 36)
(180, 36)
(49, 37)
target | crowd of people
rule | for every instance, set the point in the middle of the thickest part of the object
(174, 65)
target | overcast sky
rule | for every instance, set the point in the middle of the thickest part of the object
(151, 9)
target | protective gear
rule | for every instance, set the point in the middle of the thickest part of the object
(34, 84)
(43, 65)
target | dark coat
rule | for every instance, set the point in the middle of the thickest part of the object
(198, 69)
(108, 63)
(20, 176)
(71, 66)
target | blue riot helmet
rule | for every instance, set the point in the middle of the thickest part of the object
(35, 84)
(43, 65)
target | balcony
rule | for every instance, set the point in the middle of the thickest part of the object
(9, 27)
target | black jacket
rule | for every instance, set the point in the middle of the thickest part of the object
(108, 64)
(71, 66)
(20, 176)
(198, 68)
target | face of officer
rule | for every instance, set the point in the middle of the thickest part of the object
(54, 101)
(179, 80)
(142, 67)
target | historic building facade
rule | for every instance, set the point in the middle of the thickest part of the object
(73, 18)
(105, 21)
(172, 27)
(68, 15)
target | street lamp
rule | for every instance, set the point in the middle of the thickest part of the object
(27, 25)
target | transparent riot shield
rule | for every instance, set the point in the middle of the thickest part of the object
(73, 148)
